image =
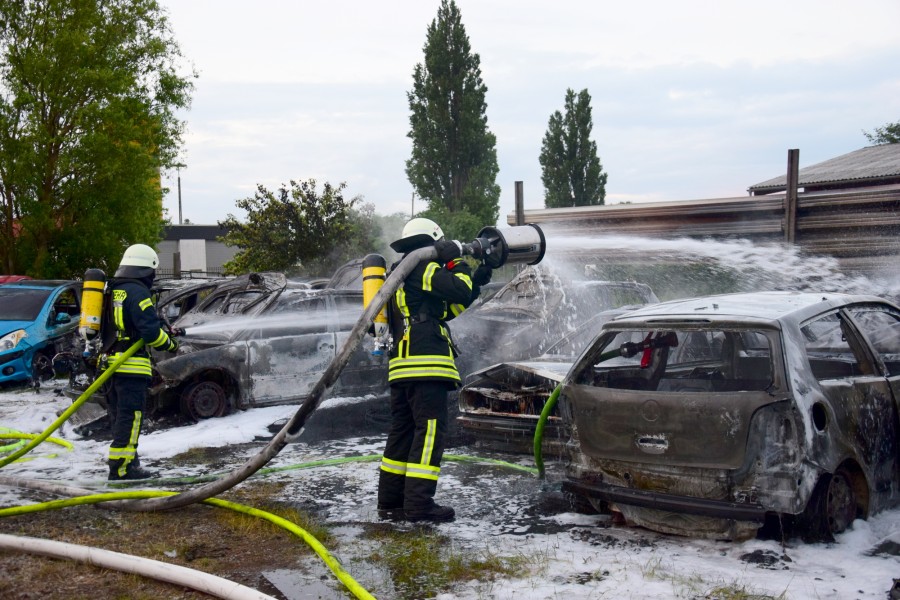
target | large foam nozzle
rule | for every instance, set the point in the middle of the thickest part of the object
(496, 247)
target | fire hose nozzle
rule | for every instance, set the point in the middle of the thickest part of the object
(495, 247)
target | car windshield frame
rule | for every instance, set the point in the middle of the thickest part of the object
(653, 358)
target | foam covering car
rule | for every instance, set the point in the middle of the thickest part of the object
(715, 416)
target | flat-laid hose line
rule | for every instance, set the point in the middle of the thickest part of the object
(23, 437)
(138, 565)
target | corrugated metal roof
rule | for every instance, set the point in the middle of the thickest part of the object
(875, 163)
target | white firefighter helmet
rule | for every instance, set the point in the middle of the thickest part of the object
(418, 233)
(139, 255)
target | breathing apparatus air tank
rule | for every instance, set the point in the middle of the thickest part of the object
(373, 270)
(91, 304)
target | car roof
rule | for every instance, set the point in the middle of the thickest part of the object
(12, 278)
(38, 284)
(770, 306)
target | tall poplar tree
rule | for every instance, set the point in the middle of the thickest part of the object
(453, 166)
(88, 95)
(571, 170)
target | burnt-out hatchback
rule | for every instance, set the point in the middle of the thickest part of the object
(711, 416)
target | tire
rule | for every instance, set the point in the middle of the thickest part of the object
(204, 400)
(832, 507)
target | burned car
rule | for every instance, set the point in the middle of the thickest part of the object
(711, 416)
(534, 310)
(262, 344)
(499, 406)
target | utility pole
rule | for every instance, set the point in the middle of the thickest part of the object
(178, 170)
(520, 204)
(412, 205)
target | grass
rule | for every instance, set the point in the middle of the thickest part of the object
(696, 587)
(229, 544)
(423, 563)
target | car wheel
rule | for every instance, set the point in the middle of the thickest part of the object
(41, 367)
(204, 400)
(832, 507)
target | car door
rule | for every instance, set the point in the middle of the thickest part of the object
(289, 351)
(880, 326)
(862, 416)
(62, 321)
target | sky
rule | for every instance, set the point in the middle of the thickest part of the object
(690, 99)
(565, 555)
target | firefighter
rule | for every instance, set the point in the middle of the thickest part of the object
(421, 371)
(135, 318)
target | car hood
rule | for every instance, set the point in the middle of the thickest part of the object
(10, 326)
(553, 370)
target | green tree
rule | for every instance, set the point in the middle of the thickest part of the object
(299, 231)
(889, 134)
(571, 170)
(88, 94)
(453, 166)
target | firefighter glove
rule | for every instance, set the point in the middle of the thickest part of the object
(447, 250)
(482, 275)
(173, 345)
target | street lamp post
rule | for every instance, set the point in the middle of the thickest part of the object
(178, 169)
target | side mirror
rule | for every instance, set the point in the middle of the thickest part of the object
(62, 318)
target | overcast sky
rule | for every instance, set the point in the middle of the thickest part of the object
(691, 99)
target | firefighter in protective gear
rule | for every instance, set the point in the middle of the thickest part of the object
(421, 371)
(134, 318)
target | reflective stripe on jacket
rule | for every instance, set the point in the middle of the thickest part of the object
(429, 297)
(135, 318)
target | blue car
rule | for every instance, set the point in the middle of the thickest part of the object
(37, 320)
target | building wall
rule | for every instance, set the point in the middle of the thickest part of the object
(201, 254)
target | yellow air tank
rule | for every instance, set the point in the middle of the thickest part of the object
(373, 269)
(91, 303)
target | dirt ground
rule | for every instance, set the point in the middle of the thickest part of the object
(206, 538)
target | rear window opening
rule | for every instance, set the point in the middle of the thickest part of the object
(682, 361)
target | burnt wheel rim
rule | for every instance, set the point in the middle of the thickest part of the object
(840, 503)
(204, 400)
(41, 367)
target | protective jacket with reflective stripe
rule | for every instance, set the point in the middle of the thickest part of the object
(419, 310)
(135, 318)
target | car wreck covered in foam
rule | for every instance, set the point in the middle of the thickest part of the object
(712, 416)
(261, 340)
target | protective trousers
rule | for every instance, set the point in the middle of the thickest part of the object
(126, 399)
(412, 455)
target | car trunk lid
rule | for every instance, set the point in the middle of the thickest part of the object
(699, 429)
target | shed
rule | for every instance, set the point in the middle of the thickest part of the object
(871, 166)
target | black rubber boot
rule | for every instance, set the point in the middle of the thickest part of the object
(434, 513)
(132, 471)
